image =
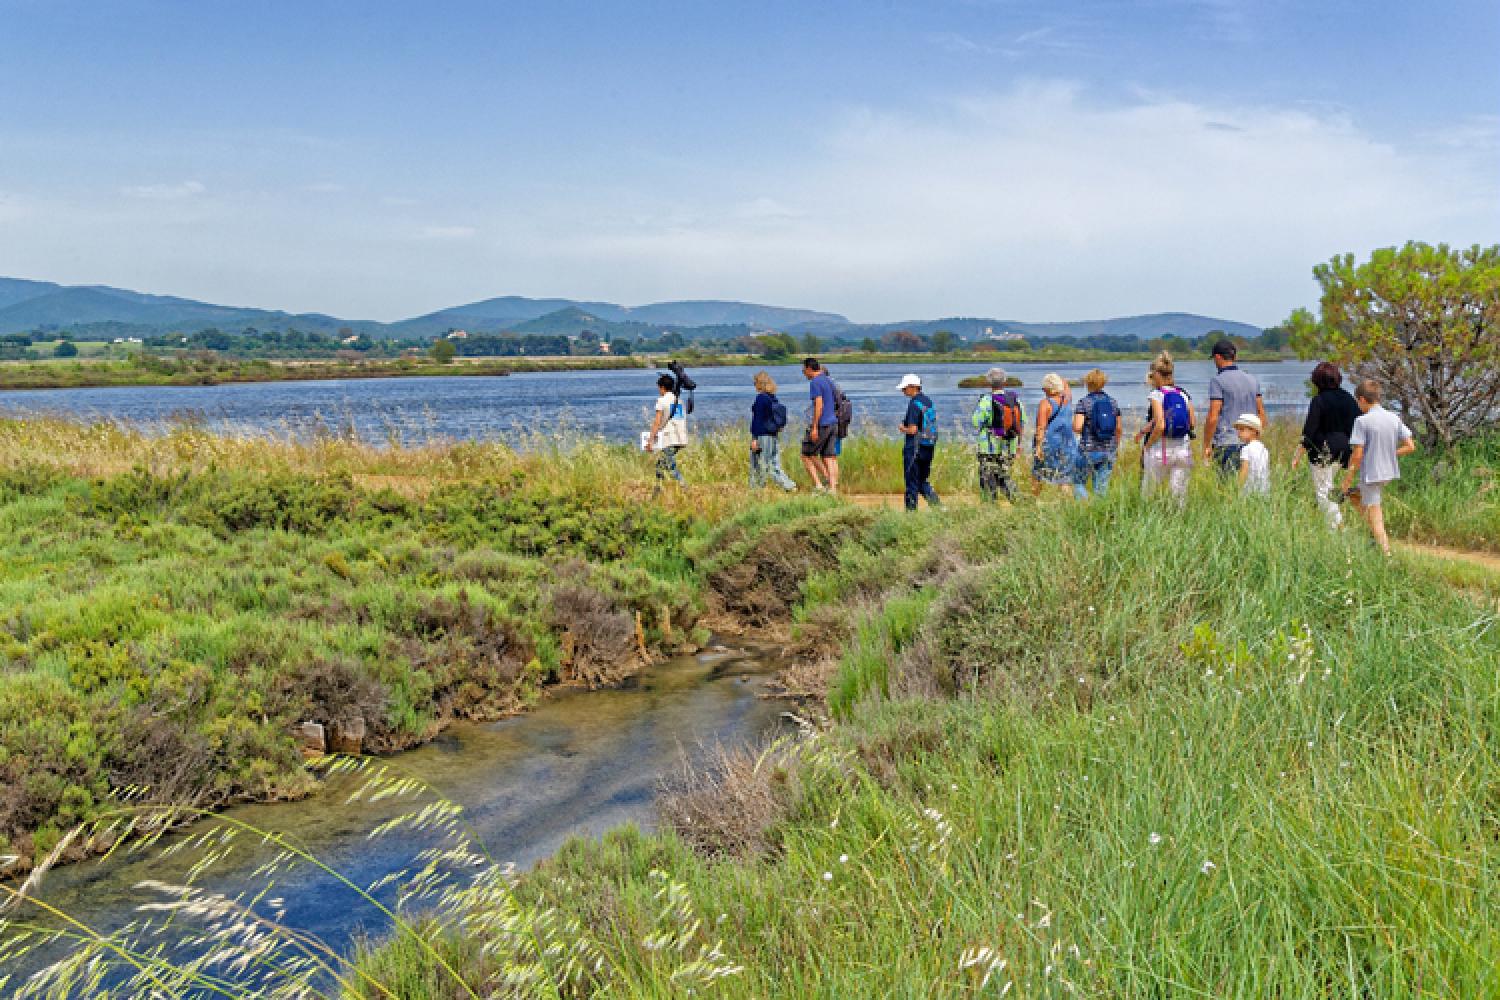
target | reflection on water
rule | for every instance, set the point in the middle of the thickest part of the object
(614, 404)
(578, 764)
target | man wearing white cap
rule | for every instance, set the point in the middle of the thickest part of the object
(921, 430)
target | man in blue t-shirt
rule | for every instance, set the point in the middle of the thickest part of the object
(920, 427)
(820, 443)
(1231, 394)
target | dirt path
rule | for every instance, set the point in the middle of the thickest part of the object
(879, 501)
(1485, 560)
(419, 486)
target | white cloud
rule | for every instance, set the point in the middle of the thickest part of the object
(1226, 20)
(1052, 38)
(324, 187)
(766, 209)
(1480, 133)
(1040, 203)
(447, 233)
(957, 42)
(11, 207)
(1045, 201)
(164, 192)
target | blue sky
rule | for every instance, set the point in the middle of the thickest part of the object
(1022, 159)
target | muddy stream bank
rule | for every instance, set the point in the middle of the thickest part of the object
(579, 763)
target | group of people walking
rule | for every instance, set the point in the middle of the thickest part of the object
(1075, 444)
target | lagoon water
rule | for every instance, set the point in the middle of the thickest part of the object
(579, 763)
(614, 404)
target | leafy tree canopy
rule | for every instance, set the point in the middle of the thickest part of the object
(1423, 320)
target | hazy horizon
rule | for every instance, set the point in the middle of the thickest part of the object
(636, 305)
(1022, 160)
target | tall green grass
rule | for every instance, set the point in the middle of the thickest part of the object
(1450, 498)
(1211, 752)
(167, 629)
(1117, 748)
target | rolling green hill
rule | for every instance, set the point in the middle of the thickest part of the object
(40, 306)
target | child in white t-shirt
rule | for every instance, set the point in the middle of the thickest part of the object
(668, 433)
(1255, 460)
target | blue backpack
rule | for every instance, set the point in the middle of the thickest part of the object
(1176, 420)
(778, 415)
(927, 432)
(1104, 418)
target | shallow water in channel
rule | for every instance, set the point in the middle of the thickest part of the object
(579, 763)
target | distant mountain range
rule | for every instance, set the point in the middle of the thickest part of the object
(29, 306)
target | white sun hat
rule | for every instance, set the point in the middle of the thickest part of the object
(910, 380)
(1251, 421)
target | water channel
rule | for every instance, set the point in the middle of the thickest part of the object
(578, 764)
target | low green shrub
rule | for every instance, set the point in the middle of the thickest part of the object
(1450, 498)
(1213, 751)
(165, 629)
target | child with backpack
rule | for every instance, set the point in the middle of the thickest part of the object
(921, 430)
(767, 420)
(1167, 451)
(1096, 421)
(999, 419)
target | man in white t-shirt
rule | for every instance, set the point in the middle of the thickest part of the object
(668, 433)
(1379, 441)
(1255, 460)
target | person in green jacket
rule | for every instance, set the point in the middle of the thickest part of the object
(998, 419)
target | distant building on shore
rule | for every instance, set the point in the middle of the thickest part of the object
(1000, 336)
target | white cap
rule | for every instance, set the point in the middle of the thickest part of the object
(1249, 420)
(910, 380)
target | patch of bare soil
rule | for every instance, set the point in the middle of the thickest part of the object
(760, 581)
(1486, 560)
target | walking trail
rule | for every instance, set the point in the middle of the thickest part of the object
(1488, 561)
(1484, 560)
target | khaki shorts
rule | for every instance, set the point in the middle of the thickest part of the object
(824, 446)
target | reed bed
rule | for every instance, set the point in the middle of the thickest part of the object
(1129, 751)
(1116, 748)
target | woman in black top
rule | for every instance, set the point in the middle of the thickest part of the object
(1325, 436)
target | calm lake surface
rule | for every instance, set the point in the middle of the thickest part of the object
(614, 404)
